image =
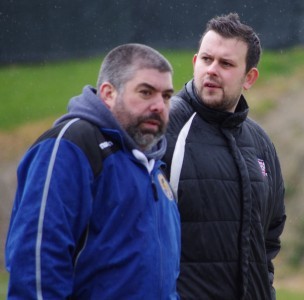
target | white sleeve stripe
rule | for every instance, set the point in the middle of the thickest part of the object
(43, 206)
(178, 156)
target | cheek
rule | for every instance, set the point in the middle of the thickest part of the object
(199, 74)
(166, 113)
(230, 79)
(198, 69)
(136, 105)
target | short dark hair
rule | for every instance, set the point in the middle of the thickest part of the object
(230, 26)
(122, 62)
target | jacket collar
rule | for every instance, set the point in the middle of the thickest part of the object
(222, 118)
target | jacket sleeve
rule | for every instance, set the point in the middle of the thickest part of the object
(50, 212)
(277, 219)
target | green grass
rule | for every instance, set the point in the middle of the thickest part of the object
(3, 285)
(289, 295)
(280, 63)
(34, 92)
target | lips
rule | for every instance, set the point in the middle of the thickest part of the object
(152, 124)
(210, 84)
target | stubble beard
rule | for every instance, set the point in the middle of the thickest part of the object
(218, 102)
(223, 104)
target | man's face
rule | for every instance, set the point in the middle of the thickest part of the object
(220, 71)
(142, 108)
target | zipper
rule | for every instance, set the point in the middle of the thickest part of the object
(80, 246)
(158, 233)
(154, 188)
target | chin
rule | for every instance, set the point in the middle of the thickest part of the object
(211, 102)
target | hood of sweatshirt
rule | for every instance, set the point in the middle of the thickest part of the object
(90, 107)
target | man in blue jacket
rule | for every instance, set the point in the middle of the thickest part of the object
(94, 216)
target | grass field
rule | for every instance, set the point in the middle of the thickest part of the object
(289, 295)
(3, 285)
(33, 92)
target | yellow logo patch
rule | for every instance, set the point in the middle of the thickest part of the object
(165, 186)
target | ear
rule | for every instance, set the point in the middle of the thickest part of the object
(194, 59)
(251, 78)
(108, 94)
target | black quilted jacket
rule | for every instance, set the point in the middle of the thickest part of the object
(231, 200)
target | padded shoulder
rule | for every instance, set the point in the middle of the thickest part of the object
(88, 138)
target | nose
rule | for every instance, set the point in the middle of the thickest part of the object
(212, 68)
(158, 104)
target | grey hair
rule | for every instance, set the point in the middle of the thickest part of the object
(121, 63)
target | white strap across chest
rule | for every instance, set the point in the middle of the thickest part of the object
(178, 156)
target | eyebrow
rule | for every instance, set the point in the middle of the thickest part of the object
(229, 59)
(149, 86)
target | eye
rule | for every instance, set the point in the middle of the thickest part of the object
(145, 93)
(167, 97)
(206, 59)
(227, 64)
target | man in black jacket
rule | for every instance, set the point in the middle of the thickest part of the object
(225, 172)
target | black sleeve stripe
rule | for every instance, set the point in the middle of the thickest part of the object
(87, 137)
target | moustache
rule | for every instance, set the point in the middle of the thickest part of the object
(152, 116)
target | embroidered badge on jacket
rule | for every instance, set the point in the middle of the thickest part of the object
(165, 186)
(262, 166)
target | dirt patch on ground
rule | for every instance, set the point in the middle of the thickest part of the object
(13, 145)
(291, 283)
(285, 125)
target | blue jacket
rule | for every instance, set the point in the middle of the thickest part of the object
(131, 247)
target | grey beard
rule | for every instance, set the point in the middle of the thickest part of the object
(144, 140)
